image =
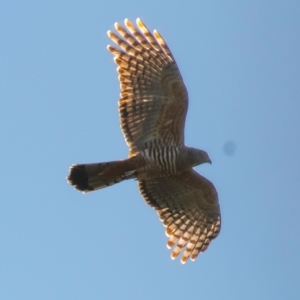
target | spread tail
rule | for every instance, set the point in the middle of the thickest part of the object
(90, 177)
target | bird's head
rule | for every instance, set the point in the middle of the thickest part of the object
(203, 157)
(192, 157)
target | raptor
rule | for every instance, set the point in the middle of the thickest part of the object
(152, 107)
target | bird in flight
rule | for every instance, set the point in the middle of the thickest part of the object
(152, 107)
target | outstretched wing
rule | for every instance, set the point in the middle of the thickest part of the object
(188, 206)
(154, 99)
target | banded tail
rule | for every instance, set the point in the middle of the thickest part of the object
(90, 177)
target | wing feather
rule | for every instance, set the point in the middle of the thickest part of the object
(153, 101)
(188, 206)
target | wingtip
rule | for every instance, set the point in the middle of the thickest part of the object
(109, 33)
(183, 260)
(156, 34)
(174, 254)
(127, 22)
(140, 23)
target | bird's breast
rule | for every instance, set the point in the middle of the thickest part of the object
(159, 161)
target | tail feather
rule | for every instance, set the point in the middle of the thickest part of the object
(90, 177)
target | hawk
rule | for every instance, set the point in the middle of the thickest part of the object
(152, 107)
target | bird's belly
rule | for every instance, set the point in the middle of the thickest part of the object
(158, 162)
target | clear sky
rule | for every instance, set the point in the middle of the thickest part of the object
(58, 92)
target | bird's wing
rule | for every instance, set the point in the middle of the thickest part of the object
(154, 99)
(188, 206)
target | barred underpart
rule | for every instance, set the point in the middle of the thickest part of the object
(161, 160)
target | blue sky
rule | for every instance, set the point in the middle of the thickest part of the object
(58, 93)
